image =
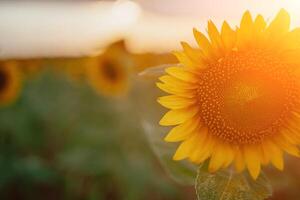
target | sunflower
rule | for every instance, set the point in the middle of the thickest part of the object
(109, 73)
(10, 82)
(234, 101)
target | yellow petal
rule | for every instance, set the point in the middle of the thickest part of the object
(182, 74)
(244, 33)
(252, 159)
(228, 36)
(246, 22)
(185, 60)
(185, 148)
(195, 55)
(258, 30)
(259, 24)
(292, 133)
(204, 149)
(291, 40)
(222, 156)
(200, 156)
(295, 134)
(175, 102)
(239, 160)
(175, 90)
(229, 156)
(214, 36)
(290, 137)
(275, 153)
(279, 26)
(183, 131)
(175, 82)
(203, 42)
(265, 156)
(286, 146)
(216, 160)
(174, 117)
(296, 121)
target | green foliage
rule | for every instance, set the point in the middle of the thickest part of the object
(228, 185)
(182, 172)
(150, 113)
(61, 141)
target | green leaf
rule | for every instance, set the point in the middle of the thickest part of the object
(182, 172)
(156, 71)
(150, 113)
(229, 185)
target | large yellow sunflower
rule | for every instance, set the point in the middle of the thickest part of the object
(10, 82)
(235, 100)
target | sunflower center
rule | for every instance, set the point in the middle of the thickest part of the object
(246, 96)
(3, 80)
(109, 71)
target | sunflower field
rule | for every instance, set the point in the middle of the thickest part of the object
(131, 100)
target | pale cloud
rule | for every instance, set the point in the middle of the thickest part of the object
(174, 20)
(62, 29)
(56, 29)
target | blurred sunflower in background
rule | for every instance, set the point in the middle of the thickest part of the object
(109, 73)
(10, 82)
(236, 98)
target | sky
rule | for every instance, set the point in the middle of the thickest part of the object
(71, 29)
(218, 8)
(62, 29)
(174, 20)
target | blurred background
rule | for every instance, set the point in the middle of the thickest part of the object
(75, 107)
